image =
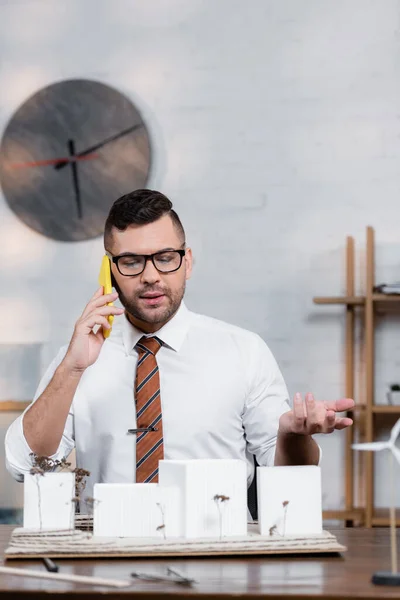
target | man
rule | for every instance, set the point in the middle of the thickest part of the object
(166, 383)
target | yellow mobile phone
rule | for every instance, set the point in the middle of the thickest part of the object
(105, 281)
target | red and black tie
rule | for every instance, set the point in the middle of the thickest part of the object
(149, 444)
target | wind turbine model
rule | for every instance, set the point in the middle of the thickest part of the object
(384, 577)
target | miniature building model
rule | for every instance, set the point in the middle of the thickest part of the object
(213, 495)
(289, 500)
(135, 510)
(48, 501)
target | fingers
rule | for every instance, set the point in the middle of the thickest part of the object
(319, 420)
(342, 423)
(97, 294)
(319, 417)
(330, 421)
(99, 299)
(91, 321)
(104, 299)
(97, 317)
(298, 413)
(312, 410)
(109, 310)
(340, 405)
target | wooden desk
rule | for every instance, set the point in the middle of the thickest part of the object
(328, 577)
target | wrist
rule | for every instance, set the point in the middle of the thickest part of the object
(68, 369)
(295, 444)
(289, 437)
(285, 426)
(295, 449)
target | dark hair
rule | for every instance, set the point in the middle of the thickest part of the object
(139, 208)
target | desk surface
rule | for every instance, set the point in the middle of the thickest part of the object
(328, 577)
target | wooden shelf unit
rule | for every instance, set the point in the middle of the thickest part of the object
(348, 300)
(13, 405)
(349, 516)
(386, 298)
(367, 409)
(386, 409)
(380, 517)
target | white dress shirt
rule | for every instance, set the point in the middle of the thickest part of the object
(222, 394)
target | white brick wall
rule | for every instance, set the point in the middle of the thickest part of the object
(276, 132)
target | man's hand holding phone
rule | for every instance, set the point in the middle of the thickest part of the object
(85, 344)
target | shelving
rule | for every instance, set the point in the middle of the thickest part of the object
(13, 405)
(356, 515)
(380, 518)
(386, 409)
(386, 298)
(364, 306)
(348, 300)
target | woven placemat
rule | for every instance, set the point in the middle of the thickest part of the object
(78, 543)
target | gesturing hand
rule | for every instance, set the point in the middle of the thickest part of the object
(315, 416)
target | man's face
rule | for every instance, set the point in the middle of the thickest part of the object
(150, 298)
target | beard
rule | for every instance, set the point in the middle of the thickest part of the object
(152, 314)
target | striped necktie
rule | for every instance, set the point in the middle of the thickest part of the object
(149, 444)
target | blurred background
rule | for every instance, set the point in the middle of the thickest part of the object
(273, 126)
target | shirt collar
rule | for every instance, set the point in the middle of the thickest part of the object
(172, 333)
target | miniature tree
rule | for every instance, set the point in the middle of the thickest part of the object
(220, 500)
(285, 505)
(162, 526)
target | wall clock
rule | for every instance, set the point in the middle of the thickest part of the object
(67, 153)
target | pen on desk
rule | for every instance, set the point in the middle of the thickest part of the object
(50, 565)
(172, 576)
(65, 577)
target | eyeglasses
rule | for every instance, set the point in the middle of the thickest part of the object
(166, 261)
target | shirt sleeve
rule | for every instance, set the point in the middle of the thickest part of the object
(17, 450)
(267, 399)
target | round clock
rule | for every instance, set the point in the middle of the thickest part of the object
(67, 153)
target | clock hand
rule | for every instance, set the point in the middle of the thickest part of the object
(71, 147)
(61, 164)
(51, 161)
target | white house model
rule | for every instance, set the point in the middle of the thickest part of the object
(213, 496)
(48, 501)
(289, 500)
(136, 510)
